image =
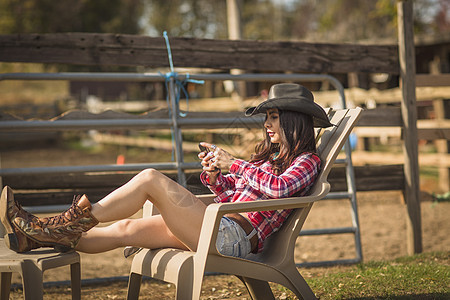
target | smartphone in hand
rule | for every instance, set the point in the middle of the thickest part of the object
(206, 150)
(203, 148)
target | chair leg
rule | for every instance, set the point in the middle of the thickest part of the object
(257, 289)
(134, 286)
(5, 285)
(184, 293)
(187, 283)
(32, 281)
(300, 286)
(75, 280)
(184, 287)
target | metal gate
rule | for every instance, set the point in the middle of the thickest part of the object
(176, 123)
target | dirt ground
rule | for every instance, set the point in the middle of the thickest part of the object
(382, 217)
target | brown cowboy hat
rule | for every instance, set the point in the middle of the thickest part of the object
(293, 97)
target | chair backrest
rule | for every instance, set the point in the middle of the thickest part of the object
(330, 142)
(2, 230)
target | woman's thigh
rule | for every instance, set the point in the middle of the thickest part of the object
(181, 210)
(151, 232)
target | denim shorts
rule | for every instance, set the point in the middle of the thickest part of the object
(232, 240)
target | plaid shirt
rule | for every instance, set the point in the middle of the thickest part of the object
(250, 182)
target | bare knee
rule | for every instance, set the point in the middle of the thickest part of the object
(125, 228)
(146, 179)
(148, 175)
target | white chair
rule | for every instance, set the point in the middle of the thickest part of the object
(185, 269)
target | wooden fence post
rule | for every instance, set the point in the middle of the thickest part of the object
(409, 120)
(442, 146)
(235, 33)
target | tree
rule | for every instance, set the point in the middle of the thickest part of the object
(351, 21)
(259, 20)
(187, 18)
(48, 16)
(442, 18)
(312, 20)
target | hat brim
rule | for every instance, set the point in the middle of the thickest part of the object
(301, 105)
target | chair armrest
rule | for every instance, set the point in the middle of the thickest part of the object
(271, 204)
(207, 199)
(214, 212)
(148, 209)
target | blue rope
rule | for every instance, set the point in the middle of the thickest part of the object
(179, 84)
(179, 87)
(169, 52)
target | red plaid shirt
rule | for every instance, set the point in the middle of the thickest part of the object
(250, 182)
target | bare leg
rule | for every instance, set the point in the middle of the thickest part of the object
(149, 233)
(182, 214)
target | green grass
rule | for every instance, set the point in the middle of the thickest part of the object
(424, 276)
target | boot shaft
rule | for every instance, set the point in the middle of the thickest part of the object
(78, 218)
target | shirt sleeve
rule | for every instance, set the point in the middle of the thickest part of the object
(294, 179)
(223, 188)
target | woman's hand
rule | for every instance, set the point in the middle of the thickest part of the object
(219, 158)
(206, 162)
(215, 160)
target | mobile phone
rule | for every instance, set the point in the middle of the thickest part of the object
(203, 148)
(206, 150)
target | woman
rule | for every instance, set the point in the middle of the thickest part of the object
(285, 164)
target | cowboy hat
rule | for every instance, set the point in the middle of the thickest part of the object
(293, 97)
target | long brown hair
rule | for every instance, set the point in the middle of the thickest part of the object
(297, 136)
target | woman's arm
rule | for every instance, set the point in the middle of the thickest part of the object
(223, 187)
(212, 177)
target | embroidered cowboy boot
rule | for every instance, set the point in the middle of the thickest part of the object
(62, 231)
(9, 210)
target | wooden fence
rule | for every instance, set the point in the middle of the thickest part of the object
(109, 49)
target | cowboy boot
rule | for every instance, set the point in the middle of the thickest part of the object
(62, 231)
(14, 239)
